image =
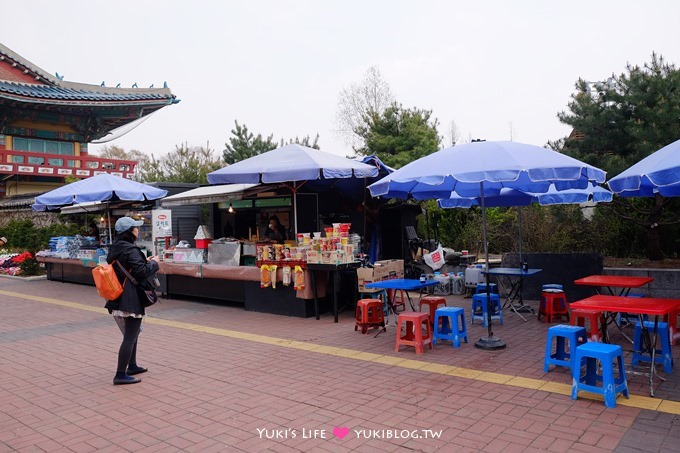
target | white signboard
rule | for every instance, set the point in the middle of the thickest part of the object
(161, 222)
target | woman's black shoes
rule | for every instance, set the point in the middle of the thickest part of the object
(122, 379)
(132, 370)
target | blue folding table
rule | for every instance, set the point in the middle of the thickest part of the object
(512, 278)
(405, 284)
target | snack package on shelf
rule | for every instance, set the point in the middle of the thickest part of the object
(286, 275)
(299, 278)
(265, 276)
(272, 274)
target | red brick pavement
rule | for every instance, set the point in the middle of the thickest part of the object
(224, 379)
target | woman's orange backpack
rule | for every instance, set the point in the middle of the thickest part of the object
(106, 281)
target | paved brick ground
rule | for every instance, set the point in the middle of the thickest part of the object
(224, 379)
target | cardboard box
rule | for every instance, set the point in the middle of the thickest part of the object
(381, 270)
(387, 269)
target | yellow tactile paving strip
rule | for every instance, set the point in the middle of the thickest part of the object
(637, 401)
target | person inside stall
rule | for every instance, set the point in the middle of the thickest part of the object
(275, 231)
(92, 230)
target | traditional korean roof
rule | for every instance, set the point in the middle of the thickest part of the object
(29, 92)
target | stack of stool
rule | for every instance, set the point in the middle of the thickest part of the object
(567, 338)
(607, 355)
(413, 324)
(482, 288)
(432, 303)
(451, 327)
(553, 303)
(662, 355)
(480, 308)
(673, 327)
(579, 317)
(380, 294)
(369, 314)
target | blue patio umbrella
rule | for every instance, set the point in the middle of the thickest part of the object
(483, 169)
(512, 197)
(293, 165)
(658, 173)
(103, 187)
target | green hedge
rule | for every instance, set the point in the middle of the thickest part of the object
(23, 235)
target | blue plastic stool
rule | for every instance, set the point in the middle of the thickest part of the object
(562, 356)
(481, 288)
(627, 318)
(612, 385)
(479, 308)
(663, 355)
(452, 327)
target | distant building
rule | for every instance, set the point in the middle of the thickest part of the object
(46, 124)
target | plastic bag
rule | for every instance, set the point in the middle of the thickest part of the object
(435, 259)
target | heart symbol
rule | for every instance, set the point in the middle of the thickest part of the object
(340, 431)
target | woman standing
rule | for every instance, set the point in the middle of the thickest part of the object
(128, 309)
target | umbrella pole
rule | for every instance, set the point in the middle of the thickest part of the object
(489, 342)
(519, 221)
(108, 223)
(295, 209)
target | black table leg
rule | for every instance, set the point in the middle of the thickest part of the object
(312, 277)
(335, 285)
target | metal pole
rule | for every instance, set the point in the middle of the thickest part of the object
(489, 342)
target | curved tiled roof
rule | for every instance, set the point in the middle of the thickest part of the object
(53, 90)
(80, 93)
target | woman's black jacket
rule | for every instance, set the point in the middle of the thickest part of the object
(134, 261)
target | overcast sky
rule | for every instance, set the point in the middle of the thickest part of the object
(498, 69)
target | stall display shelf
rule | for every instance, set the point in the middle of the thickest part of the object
(281, 263)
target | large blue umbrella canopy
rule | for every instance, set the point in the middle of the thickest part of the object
(292, 164)
(102, 187)
(658, 173)
(483, 169)
(511, 197)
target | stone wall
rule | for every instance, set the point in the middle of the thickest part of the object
(666, 281)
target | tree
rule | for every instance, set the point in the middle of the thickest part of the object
(358, 102)
(398, 135)
(306, 141)
(184, 164)
(116, 152)
(245, 144)
(618, 122)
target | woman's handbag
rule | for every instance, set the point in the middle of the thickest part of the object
(150, 294)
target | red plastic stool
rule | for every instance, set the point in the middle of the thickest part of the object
(579, 317)
(553, 304)
(413, 323)
(369, 314)
(673, 327)
(432, 302)
(392, 294)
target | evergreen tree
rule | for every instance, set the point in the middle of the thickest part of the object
(620, 121)
(398, 135)
(245, 144)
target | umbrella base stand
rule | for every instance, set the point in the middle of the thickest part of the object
(490, 343)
